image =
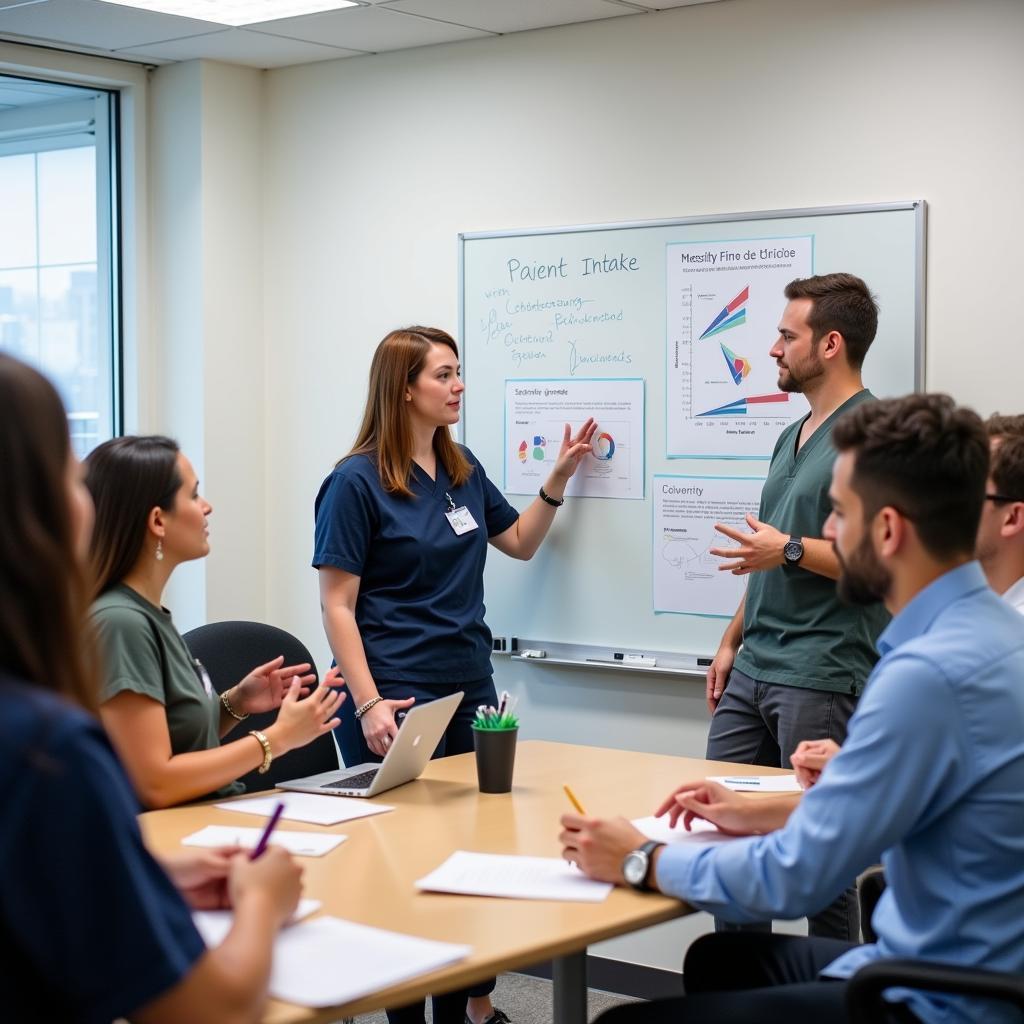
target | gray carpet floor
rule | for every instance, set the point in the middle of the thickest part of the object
(526, 1000)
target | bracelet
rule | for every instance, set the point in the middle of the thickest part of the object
(553, 502)
(226, 705)
(363, 708)
(268, 755)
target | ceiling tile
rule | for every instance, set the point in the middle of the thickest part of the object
(502, 16)
(97, 25)
(240, 46)
(369, 28)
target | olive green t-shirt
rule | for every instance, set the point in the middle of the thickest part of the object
(796, 631)
(144, 653)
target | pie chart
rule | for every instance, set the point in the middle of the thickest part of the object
(604, 446)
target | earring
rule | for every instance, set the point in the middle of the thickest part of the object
(159, 550)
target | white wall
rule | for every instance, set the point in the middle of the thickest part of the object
(373, 165)
(206, 254)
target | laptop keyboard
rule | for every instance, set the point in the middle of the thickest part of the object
(360, 781)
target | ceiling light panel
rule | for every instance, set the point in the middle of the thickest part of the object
(235, 12)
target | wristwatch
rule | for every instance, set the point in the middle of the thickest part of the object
(793, 551)
(636, 867)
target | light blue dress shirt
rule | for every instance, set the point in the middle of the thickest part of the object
(930, 781)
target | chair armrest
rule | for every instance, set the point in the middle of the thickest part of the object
(864, 990)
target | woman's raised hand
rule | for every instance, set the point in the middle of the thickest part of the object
(264, 687)
(301, 721)
(573, 449)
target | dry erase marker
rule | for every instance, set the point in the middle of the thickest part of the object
(261, 846)
(572, 799)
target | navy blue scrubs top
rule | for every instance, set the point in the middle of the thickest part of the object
(91, 927)
(420, 609)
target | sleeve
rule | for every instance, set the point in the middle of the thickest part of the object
(91, 906)
(346, 522)
(499, 515)
(131, 654)
(874, 792)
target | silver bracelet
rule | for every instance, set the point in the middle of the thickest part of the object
(363, 708)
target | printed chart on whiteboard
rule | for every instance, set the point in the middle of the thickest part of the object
(724, 301)
(536, 412)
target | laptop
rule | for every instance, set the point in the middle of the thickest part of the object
(405, 760)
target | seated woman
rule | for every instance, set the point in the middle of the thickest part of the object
(158, 706)
(93, 928)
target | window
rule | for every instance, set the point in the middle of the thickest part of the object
(59, 305)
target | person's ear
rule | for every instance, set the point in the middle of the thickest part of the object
(1013, 520)
(831, 345)
(889, 531)
(155, 521)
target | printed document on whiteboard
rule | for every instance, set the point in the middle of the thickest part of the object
(686, 576)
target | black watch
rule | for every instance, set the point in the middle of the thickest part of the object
(793, 551)
(636, 867)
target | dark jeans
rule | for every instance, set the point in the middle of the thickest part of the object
(763, 723)
(449, 1008)
(750, 978)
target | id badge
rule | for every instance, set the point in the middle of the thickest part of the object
(461, 520)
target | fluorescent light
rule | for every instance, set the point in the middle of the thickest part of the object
(235, 12)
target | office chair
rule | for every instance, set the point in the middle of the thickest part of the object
(870, 887)
(864, 990)
(229, 650)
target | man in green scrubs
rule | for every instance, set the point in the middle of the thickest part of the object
(794, 659)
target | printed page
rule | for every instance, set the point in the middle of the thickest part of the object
(524, 878)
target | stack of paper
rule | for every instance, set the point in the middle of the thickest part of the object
(214, 925)
(523, 878)
(327, 961)
(302, 844)
(308, 807)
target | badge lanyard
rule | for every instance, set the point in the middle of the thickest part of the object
(459, 519)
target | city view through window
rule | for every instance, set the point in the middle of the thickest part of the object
(57, 267)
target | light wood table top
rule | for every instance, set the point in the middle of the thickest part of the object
(369, 879)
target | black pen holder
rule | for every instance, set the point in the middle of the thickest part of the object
(495, 758)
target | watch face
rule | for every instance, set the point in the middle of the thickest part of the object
(793, 551)
(634, 867)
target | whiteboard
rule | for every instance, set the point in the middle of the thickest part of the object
(521, 293)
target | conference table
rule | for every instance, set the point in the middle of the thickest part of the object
(370, 878)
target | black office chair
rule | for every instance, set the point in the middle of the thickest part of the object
(229, 650)
(870, 887)
(864, 1001)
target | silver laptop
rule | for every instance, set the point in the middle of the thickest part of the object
(408, 755)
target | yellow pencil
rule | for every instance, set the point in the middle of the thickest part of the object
(572, 799)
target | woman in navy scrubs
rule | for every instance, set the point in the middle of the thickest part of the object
(402, 528)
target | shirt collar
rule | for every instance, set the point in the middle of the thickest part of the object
(1015, 595)
(921, 611)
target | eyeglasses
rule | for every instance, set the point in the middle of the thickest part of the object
(1001, 498)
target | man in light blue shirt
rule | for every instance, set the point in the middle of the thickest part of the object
(929, 780)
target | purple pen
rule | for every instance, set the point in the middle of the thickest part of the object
(265, 838)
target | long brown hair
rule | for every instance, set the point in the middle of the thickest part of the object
(127, 477)
(386, 433)
(43, 590)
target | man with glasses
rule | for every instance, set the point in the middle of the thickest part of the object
(1000, 544)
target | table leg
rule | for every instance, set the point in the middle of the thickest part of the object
(569, 991)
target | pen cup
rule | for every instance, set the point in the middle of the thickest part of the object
(495, 758)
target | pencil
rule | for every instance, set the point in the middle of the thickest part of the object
(572, 799)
